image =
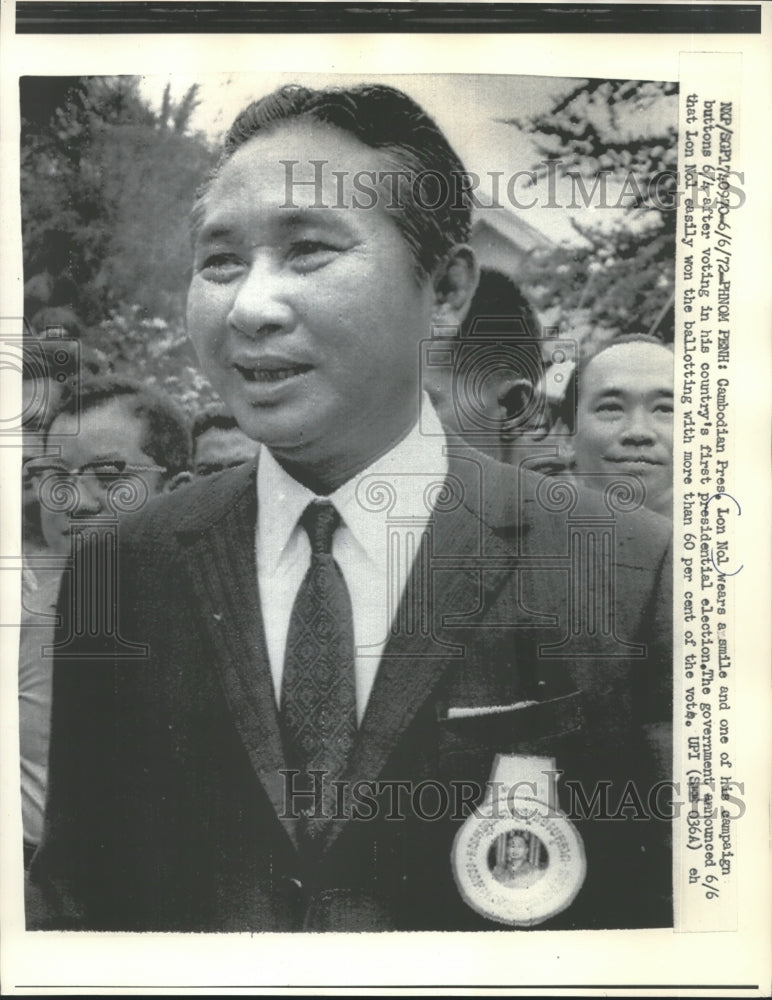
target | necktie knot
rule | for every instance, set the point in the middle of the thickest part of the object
(320, 519)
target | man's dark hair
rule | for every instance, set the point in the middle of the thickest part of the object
(167, 431)
(385, 119)
(499, 311)
(499, 305)
(212, 416)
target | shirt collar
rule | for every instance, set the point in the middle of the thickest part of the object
(404, 473)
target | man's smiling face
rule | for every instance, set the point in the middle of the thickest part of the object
(307, 319)
(625, 416)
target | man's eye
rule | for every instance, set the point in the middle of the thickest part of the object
(310, 254)
(106, 474)
(301, 247)
(608, 408)
(220, 267)
(666, 406)
(47, 470)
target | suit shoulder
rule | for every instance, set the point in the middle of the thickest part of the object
(521, 500)
(190, 507)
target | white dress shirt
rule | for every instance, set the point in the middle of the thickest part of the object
(398, 484)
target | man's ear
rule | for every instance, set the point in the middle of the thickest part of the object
(514, 399)
(514, 396)
(179, 480)
(455, 282)
(565, 436)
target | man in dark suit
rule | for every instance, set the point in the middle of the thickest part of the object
(318, 661)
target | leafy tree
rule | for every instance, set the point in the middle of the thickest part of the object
(615, 143)
(106, 186)
(155, 351)
(180, 114)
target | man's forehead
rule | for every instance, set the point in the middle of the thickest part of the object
(111, 426)
(304, 139)
(304, 165)
(221, 218)
(631, 365)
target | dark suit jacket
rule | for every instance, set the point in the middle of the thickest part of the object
(167, 809)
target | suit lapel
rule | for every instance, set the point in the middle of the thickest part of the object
(220, 556)
(471, 548)
(460, 560)
(464, 558)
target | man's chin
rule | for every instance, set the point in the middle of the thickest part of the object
(655, 479)
(661, 500)
(64, 546)
(658, 491)
(272, 426)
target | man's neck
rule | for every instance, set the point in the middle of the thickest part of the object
(328, 475)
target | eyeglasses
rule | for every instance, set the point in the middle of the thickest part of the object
(210, 469)
(101, 475)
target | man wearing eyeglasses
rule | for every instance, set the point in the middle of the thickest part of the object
(114, 431)
(115, 434)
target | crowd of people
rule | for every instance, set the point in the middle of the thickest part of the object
(86, 440)
(164, 805)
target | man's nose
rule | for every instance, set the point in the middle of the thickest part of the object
(261, 305)
(90, 497)
(638, 427)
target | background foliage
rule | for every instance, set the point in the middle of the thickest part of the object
(620, 277)
(106, 187)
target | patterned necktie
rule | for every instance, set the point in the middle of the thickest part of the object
(318, 693)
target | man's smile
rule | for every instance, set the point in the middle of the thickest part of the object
(270, 374)
(634, 460)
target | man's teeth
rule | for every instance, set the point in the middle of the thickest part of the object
(268, 374)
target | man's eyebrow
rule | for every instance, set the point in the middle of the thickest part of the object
(214, 232)
(304, 216)
(111, 456)
(290, 219)
(608, 391)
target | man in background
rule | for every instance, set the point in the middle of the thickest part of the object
(219, 443)
(624, 418)
(490, 394)
(112, 434)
